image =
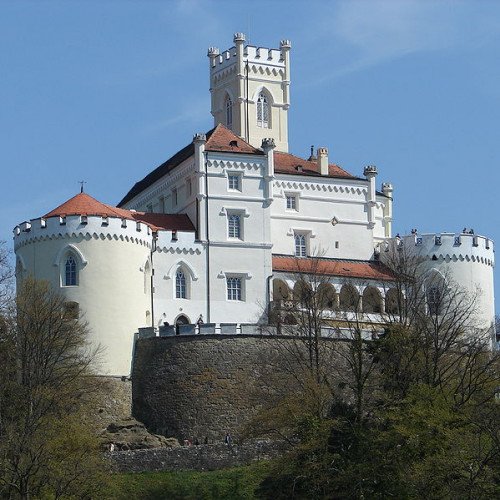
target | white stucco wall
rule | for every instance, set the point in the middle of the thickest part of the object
(465, 260)
(110, 290)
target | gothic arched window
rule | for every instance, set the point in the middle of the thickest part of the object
(229, 112)
(262, 111)
(300, 245)
(70, 271)
(180, 285)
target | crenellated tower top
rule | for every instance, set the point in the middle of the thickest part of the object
(250, 90)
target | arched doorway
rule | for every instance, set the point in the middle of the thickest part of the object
(181, 320)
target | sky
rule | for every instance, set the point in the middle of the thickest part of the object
(104, 91)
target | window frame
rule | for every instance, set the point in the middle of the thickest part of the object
(235, 288)
(234, 232)
(181, 284)
(228, 107)
(263, 114)
(234, 176)
(300, 241)
(295, 198)
(72, 272)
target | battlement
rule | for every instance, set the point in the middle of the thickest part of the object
(81, 225)
(178, 242)
(251, 54)
(448, 246)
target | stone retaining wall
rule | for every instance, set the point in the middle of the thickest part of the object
(203, 457)
(201, 387)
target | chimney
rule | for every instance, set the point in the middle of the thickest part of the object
(323, 161)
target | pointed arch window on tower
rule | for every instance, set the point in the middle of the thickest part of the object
(262, 111)
(229, 112)
(70, 271)
(180, 285)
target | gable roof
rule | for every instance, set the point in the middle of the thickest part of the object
(361, 269)
(84, 204)
(219, 139)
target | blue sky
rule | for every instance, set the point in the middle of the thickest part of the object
(105, 91)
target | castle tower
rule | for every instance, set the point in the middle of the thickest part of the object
(461, 259)
(250, 91)
(98, 258)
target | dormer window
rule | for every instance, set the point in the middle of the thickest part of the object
(262, 111)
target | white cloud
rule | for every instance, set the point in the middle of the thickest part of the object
(376, 32)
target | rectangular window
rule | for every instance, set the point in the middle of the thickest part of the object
(189, 187)
(161, 203)
(300, 245)
(233, 226)
(149, 208)
(291, 202)
(174, 197)
(234, 181)
(234, 288)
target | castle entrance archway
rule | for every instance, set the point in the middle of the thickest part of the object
(181, 320)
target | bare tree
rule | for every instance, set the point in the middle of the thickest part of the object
(46, 442)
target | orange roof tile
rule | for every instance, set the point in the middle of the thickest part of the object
(84, 204)
(219, 139)
(286, 163)
(332, 267)
(224, 140)
(175, 222)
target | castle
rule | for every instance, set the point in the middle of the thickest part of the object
(207, 240)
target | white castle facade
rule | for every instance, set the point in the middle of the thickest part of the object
(214, 234)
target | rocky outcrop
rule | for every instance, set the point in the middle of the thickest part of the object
(129, 434)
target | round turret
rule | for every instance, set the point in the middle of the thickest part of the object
(98, 259)
(464, 259)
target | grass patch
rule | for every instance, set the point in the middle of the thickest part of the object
(234, 483)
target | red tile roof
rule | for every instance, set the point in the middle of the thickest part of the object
(224, 140)
(84, 204)
(175, 222)
(332, 267)
(219, 138)
(286, 163)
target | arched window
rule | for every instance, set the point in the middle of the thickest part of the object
(147, 278)
(229, 112)
(326, 296)
(262, 111)
(372, 300)
(180, 285)
(393, 301)
(70, 271)
(302, 293)
(280, 290)
(435, 293)
(434, 299)
(300, 245)
(349, 298)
